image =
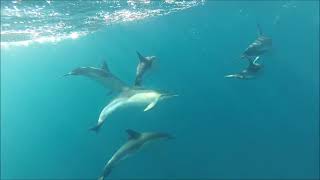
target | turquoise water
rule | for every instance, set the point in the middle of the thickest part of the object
(267, 127)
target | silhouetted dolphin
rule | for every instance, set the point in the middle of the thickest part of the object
(144, 65)
(101, 75)
(135, 141)
(250, 72)
(261, 45)
(133, 96)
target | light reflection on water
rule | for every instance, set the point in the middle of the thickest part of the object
(26, 22)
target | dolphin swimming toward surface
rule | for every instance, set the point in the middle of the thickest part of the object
(250, 72)
(135, 141)
(145, 63)
(133, 97)
(101, 75)
(261, 45)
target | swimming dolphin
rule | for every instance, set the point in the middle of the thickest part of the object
(261, 45)
(250, 72)
(144, 65)
(135, 141)
(133, 97)
(101, 75)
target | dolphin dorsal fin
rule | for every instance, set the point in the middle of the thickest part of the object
(133, 134)
(141, 58)
(104, 66)
(259, 29)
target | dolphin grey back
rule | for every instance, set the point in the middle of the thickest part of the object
(103, 76)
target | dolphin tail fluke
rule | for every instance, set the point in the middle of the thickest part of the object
(96, 128)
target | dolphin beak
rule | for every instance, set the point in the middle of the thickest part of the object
(165, 96)
(68, 74)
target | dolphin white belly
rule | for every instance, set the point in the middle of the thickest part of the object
(138, 99)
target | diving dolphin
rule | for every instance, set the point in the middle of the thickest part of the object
(261, 45)
(250, 72)
(133, 97)
(101, 75)
(144, 65)
(135, 141)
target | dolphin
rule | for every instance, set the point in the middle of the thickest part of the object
(261, 45)
(250, 72)
(145, 63)
(101, 75)
(131, 97)
(134, 143)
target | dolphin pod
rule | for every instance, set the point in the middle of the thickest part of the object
(127, 96)
(137, 95)
(252, 54)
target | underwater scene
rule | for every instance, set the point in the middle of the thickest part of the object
(159, 89)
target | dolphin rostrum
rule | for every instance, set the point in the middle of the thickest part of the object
(133, 97)
(250, 72)
(101, 75)
(261, 45)
(145, 63)
(135, 141)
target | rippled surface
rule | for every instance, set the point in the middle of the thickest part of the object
(25, 22)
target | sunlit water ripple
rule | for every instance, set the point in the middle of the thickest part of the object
(26, 22)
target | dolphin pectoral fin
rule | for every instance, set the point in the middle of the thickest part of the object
(150, 106)
(255, 60)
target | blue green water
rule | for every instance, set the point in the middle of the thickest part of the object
(267, 127)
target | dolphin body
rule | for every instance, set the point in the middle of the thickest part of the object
(250, 72)
(261, 45)
(131, 97)
(135, 141)
(101, 75)
(145, 63)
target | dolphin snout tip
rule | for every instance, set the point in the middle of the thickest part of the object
(68, 74)
(63, 76)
